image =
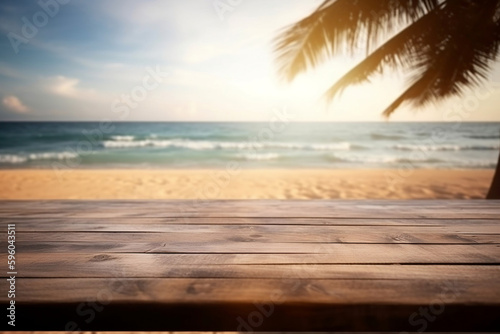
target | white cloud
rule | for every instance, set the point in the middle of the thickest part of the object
(64, 86)
(69, 87)
(13, 103)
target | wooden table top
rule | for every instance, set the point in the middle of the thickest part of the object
(254, 265)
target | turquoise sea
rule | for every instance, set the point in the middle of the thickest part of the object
(251, 145)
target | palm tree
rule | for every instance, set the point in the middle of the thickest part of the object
(446, 46)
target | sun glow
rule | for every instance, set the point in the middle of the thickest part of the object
(222, 67)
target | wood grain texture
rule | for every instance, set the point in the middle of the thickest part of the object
(291, 289)
(153, 223)
(345, 235)
(295, 304)
(357, 252)
(251, 208)
(217, 265)
(165, 266)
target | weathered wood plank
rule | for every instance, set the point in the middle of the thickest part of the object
(320, 236)
(299, 252)
(356, 265)
(171, 224)
(164, 266)
(216, 304)
(331, 292)
(378, 255)
(254, 214)
(317, 208)
(169, 291)
(201, 203)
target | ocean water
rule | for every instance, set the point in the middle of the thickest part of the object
(250, 145)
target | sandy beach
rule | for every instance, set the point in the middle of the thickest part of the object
(244, 184)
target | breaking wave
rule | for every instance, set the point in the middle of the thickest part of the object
(22, 158)
(127, 142)
(123, 138)
(259, 157)
(381, 159)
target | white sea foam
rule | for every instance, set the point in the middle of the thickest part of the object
(331, 147)
(213, 145)
(381, 159)
(22, 158)
(415, 161)
(12, 159)
(364, 159)
(123, 138)
(52, 155)
(259, 156)
(124, 143)
(194, 145)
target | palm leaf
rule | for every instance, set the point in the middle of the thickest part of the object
(342, 25)
(449, 45)
(397, 52)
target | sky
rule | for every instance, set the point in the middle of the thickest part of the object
(174, 60)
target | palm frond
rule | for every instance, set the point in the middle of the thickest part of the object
(454, 56)
(342, 25)
(449, 45)
(396, 52)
